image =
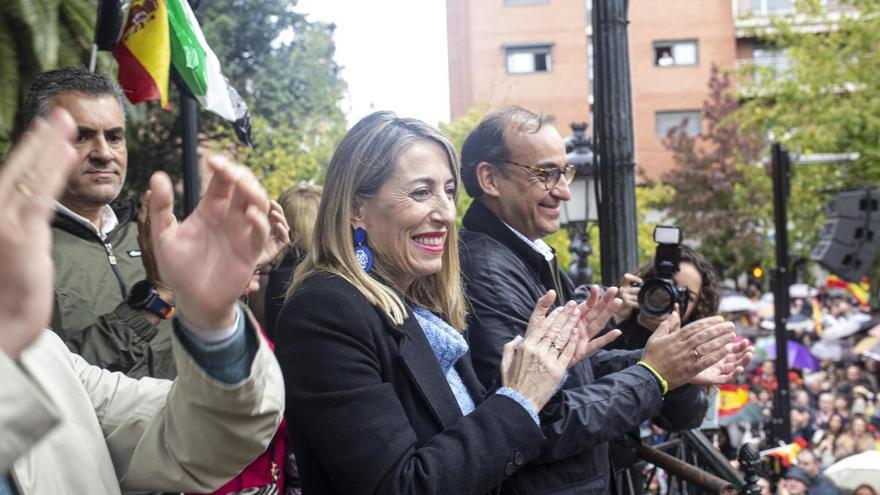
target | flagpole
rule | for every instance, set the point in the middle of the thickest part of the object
(192, 181)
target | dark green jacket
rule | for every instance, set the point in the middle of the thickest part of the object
(90, 314)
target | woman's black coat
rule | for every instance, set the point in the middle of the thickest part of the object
(370, 411)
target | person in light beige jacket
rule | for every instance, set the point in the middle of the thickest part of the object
(69, 427)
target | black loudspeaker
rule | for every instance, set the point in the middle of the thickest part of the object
(851, 235)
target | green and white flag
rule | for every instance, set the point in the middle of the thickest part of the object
(199, 67)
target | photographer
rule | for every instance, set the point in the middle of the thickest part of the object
(677, 275)
(703, 296)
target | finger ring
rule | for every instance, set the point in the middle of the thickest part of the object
(697, 354)
(554, 346)
(24, 189)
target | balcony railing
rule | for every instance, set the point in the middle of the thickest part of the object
(749, 15)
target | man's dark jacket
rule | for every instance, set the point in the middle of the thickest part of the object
(603, 396)
(92, 279)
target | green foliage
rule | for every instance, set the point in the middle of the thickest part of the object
(282, 65)
(826, 101)
(36, 36)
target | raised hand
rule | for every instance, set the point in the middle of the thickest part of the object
(31, 176)
(211, 255)
(680, 354)
(727, 369)
(279, 237)
(534, 365)
(595, 313)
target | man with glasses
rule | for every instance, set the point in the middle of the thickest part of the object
(514, 166)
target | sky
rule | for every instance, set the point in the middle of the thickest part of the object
(393, 54)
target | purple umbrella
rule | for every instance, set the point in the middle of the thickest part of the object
(798, 356)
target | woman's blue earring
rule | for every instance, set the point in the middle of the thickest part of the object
(362, 252)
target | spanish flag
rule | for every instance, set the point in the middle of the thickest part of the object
(859, 291)
(732, 399)
(144, 52)
(784, 456)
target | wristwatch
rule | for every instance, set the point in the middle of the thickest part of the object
(143, 295)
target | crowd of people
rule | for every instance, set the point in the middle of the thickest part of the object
(388, 351)
(835, 404)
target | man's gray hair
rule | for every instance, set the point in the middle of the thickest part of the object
(48, 85)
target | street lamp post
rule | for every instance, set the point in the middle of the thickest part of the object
(581, 208)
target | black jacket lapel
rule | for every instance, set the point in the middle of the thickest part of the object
(421, 364)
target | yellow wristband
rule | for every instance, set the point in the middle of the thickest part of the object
(664, 387)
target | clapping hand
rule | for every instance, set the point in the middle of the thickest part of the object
(681, 354)
(535, 364)
(727, 369)
(211, 255)
(31, 176)
(595, 313)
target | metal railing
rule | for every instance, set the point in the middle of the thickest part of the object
(694, 466)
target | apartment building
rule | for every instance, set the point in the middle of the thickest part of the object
(537, 54)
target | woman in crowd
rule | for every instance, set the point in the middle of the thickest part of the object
(824, 439)
(300, 205)
(856, 439)
(704, 295)
(381, 395)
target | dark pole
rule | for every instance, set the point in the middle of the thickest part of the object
(613, 138)
(780, 162)
(192, 183)
(189, 116)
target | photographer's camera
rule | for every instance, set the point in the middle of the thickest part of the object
(659, 294)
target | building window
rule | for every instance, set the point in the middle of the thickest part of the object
(668, 120)
(770, 7)
(528, 59)
(673, 53)
(772, 57)
(525, 2)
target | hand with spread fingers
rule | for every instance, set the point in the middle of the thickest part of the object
(534, 365)
(727, 369)
(595, 313)
(279, 237)
(211, 255)
(681, 354)
(31, 176)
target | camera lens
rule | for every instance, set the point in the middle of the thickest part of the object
(657, 297)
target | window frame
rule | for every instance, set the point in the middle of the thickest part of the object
(684, 113)
(534, 49)
(670, 45)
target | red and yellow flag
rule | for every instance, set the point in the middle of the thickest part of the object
(144, 52)
(732, 398)
(859, 291)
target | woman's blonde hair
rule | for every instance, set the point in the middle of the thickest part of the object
(361, 164)
(300, 204)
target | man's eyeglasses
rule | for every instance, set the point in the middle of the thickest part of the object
(549, 176)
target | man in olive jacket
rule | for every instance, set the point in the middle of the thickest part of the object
(98, 311)
(69, 427)
(513, 165)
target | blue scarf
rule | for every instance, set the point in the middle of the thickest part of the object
(448, 346)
